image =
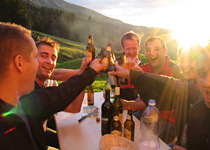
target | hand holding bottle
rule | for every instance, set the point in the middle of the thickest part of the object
(84, 64)
(120, 71)
(97, 66)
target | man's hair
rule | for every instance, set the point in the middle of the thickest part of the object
(130, 36)
(153, 38)
(13, 41)
(49, 42)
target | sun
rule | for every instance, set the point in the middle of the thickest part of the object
(192, 25)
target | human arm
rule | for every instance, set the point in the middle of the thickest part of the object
(169, 93)
(45, 102)
(75, 106)
(64, 74)
(134, 105)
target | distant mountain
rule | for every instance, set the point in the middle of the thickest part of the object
(103, 28)
(80, 11)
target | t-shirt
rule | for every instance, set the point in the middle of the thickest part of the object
(198, 130)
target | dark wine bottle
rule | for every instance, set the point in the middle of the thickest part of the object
(106, 114)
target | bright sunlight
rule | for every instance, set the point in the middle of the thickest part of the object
(192, 26)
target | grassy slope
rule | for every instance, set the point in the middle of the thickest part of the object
(71, 54)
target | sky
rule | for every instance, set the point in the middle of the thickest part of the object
(187, 18)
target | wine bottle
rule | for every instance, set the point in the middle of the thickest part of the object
(116, 126)
(106, 114)
(117, 106)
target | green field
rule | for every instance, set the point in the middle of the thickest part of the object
(71, 54)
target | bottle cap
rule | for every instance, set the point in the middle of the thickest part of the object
(152, 102)
(117, 90)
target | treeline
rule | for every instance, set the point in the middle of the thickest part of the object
(73, 27)
(43, 19)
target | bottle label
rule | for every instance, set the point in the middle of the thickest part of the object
(89, 55)
(127, 134)
(105, 126)
(116, 118)
(116, 132)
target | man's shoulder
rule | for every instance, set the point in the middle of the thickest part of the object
(173, 65)
(176, 70)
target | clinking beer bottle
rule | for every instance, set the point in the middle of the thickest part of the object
(100, 55)
(123, 81)
(116, 126)
(113, 79)
(106, 115)
(90, 95)
(90, 48)
(106, 55)
(117, 106)
(129, 126)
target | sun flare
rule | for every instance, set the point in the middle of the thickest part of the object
(192, 26)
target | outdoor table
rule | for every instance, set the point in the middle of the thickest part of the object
(87, 134)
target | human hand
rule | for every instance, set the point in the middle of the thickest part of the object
(97, 66)
(120, 71)
(137, 68)
(84, 64)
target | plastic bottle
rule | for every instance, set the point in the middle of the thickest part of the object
(149, 127)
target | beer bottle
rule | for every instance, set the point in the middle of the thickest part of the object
(106, 114)
(90, 48)
(105, 56)
(123, 81)
(90, 95)
(113, 79)
(116, 126)
(117, 105)
(100, 55)
(129, 126)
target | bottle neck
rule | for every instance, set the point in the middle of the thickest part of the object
(130, 116)
(90, 39)
(107, 95)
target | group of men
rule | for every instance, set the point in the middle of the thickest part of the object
(23, 63)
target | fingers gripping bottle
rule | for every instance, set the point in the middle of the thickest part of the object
(149, 127)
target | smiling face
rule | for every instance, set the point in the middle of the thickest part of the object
(47, 57)
(203, 76)
(131, 48)
(187, 65)
(155, 53)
